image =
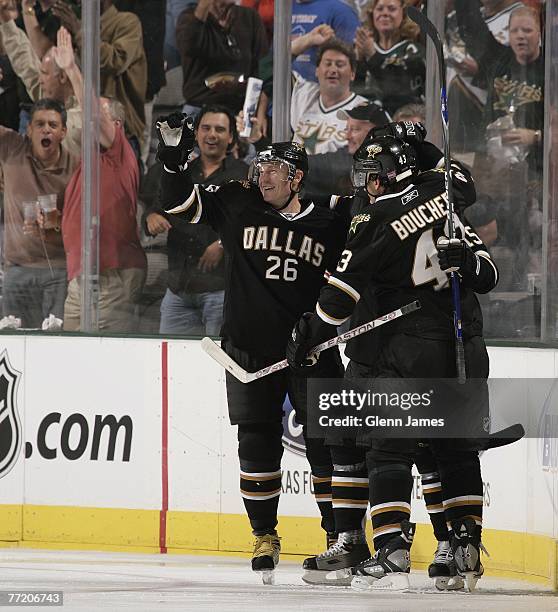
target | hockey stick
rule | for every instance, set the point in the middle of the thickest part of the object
(219, 355)
(428, 28)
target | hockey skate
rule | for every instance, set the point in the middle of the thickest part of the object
(333, 566)
(466, 547)
(388, 569)
(265, 557)
(443, 569)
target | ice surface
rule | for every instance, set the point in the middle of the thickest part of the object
(145, 583)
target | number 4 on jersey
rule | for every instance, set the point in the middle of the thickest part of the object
(426, 268)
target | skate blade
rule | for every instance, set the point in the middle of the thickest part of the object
(449, 583)
(398, 581)
(268, 576)
(340, 577)
(471, 579)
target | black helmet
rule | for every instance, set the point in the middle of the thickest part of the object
(387, 158)
(292, 154)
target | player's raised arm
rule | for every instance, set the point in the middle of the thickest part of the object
(178, 195)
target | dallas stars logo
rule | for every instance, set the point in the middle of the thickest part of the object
(373, 150)
(312, 141)
(358, 219)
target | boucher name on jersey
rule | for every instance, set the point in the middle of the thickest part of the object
(391, 248)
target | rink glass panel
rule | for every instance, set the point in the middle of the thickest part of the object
(514, 213)
(517, 212)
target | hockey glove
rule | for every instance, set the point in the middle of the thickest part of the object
(455, 255)
(301, 341)
(176, 140)
(478, 273)
(409, 132)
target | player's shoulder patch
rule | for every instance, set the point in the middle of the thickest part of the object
(436, 170)
(357, 220)
(433, 174)
(240, 184)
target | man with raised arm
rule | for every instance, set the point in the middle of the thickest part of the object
(122, 262)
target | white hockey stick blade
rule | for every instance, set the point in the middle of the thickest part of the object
(219, 355)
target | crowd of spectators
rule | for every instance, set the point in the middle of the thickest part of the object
(496, 101)
(356, 64)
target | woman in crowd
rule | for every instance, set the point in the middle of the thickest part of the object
(391, 66)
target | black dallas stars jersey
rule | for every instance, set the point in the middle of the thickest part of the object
(275, 264)
(391, 257)
(396, 75)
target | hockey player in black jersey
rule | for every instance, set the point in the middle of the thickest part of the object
(278, 249)
(350, 476)
(398, 251)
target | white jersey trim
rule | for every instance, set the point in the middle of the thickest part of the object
(386, 51)
(473, 499)
(394, 195)
(327, 319)
(362, 505)
(337, 106)
(348, 479)
(269, 475)
(305, 212)
(333, 201)
(432, 485)
(380, 530)
(390, 505)
(255, 497)
(505, 11)
(346, 288)
(196, 218)
(186, 204)
(486, 257)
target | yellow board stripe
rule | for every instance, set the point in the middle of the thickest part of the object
(515, 555)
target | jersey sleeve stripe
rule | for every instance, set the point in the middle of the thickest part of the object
(333, 201)
(487, 258)
(197, 216)
(186, 204)
(352, 293)
(328, 319)
(180, 169)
